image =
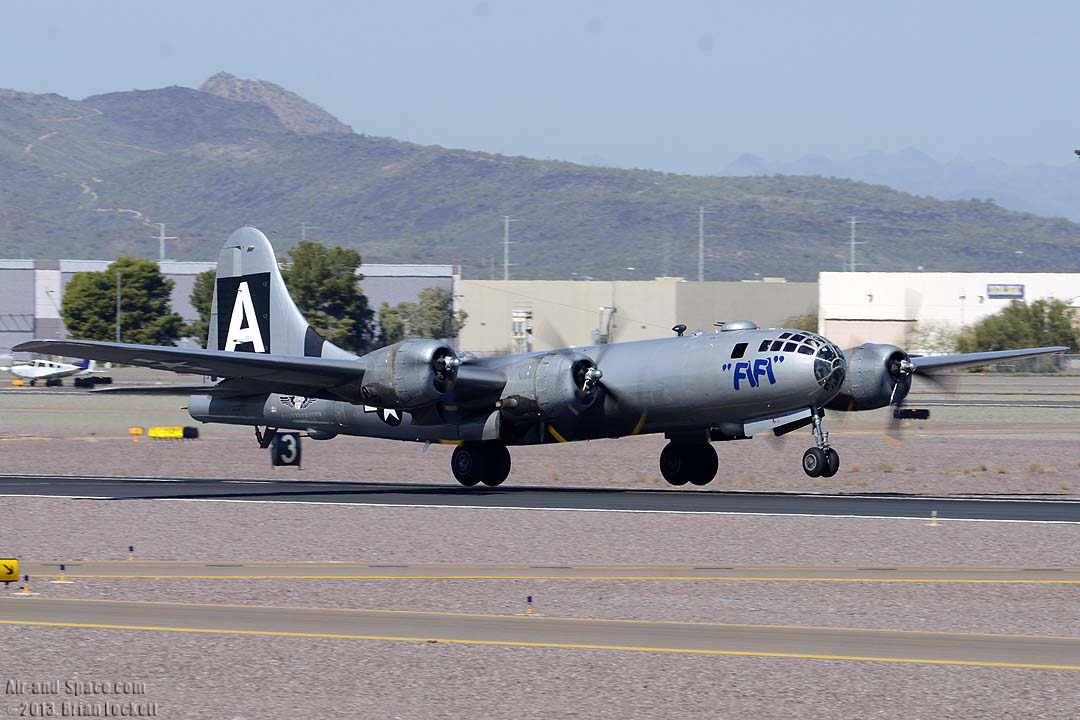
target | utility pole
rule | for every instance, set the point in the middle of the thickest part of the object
(701, 243)
(506, 246)
(304, 227)
(118, 303)
(161, 237)
(851, 245)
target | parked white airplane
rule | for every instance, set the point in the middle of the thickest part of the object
(50, 371)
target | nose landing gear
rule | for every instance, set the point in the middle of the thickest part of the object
(820, 461)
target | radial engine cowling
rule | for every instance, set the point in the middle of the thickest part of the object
(408, 375)
(551, 386)
(877, 376)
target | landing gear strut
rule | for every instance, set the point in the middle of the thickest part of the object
(487, 463)
(696, 464)
(820, 461)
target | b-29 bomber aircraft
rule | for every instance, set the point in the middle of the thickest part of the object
(267, 367)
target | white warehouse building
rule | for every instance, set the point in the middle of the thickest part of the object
(916, 310)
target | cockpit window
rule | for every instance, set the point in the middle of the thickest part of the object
(785, 336)
(764, 345)
(790, 347)
(805, 350)
(829, 367)
(777, 344)
(739, 350)
(798, 338)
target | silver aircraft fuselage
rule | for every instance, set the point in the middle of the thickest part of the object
(725, 382)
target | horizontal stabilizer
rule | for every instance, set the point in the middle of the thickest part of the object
(312, 376)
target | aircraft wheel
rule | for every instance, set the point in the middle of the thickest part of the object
(832, 463)
(814, 462)
(468, 464)
(497, 458)
(705, 464)
(675, 464)
(33, 383)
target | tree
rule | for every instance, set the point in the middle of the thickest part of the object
(1041, 323)
(324, 284)
(935, 338)
(807, 321)
(202, 299)
(431, 316)
(146, 317)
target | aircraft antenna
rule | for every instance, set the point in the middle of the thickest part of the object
(506, 246)
(851, 265)
(701, 242)
(161, 237)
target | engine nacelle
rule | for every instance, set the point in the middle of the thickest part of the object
(408, 375)
(874, 378)
(550, 386)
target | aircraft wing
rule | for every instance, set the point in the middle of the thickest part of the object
(258, 372)
(943, 363)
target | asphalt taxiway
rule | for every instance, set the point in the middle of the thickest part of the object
(543, 498)
(191, 570)
(836, 643)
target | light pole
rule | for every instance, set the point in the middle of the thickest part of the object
(118, 304)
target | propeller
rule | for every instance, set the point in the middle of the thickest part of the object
(903, 370)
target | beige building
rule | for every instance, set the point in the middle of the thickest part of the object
(923, 312)
(522, 315)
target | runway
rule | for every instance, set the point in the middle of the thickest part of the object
(1044, 652)
(543, 498)
(156, 570)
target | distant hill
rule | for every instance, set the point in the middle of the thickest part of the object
(1051, 190)
(294, 112)
(88, 178)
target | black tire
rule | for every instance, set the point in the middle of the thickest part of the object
(813, 462)
(832, 463)
(705, 465)
(468, 464)
(497, 458)
(674, 464)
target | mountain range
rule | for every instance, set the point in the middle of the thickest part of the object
(1051, 190)
(89, 178)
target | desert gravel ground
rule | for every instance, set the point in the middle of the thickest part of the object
(61, 529)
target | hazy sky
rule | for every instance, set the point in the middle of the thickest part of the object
(679, 86)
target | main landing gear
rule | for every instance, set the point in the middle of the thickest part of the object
(486, 462)
(820, 461)
(695, 463)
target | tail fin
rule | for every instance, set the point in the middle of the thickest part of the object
(87, 365)
(252, 310)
